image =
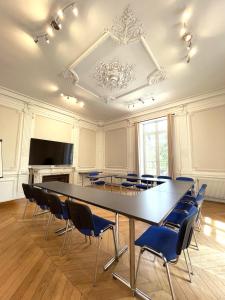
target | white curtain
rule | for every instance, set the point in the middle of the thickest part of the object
(139, 148)
(170, 131)
(1, 171)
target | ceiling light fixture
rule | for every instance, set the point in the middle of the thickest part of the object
(143, 101)
(55, 22)
(42, 37)
(114, 75)
(72, 100)
(187, 38)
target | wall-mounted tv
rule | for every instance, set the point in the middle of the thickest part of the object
(43, 152)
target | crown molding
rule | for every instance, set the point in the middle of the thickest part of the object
(176, 106)
(24, 99)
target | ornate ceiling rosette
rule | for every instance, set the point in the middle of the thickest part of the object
(114, 75)
(120, 67)
(127, 28)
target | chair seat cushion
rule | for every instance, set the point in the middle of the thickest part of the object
(99, 182)
(142, 186)
(100, 224)
(161, 239)
(127, 184)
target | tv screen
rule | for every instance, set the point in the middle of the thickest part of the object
(43, 152)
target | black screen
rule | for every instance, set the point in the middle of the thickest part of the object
(43, 152)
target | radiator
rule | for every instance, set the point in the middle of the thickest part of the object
(215, 187)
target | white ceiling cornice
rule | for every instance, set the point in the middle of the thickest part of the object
(43, 104)
(172, 106)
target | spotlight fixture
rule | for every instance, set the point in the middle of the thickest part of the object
(187, 38)
(72, 100)
(55, 22)
(60, 13)
(41, 37)
(56, 25)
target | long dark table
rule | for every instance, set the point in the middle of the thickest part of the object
(151, 206)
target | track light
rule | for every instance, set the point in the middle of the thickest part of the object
(56, 25)
(60, 13)
(55, 22)
(72, 100)
(50, 31)
(41, 37)
(47, 39)
(187, 38)
(75, 11)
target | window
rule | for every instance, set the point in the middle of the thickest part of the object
(155, 147)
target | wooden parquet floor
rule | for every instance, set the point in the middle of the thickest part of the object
(31, 267)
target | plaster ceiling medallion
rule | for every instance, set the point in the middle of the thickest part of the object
(106, 69)
(127, 28)
(156, 76)
(114, 75)
(73, 77)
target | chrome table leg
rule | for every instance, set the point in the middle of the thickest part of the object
(120, 251)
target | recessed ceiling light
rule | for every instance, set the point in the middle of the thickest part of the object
(81, 104)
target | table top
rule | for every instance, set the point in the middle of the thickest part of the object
(151, 206)
(141, 178)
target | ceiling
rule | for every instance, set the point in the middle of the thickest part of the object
(37, 70)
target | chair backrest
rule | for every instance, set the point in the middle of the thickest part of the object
(202, 190)
(94, 173)
(132, 175)
(182, 178)
(164, 177)
(80, 215)
(54, 203)
(146, 175)
(28, 191)
(39, 197)
(186, 230)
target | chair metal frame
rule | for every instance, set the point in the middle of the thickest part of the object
(99, 238)
(166, 263)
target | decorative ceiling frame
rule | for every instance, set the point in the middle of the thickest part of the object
(153, 79)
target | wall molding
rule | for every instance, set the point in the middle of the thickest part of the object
(14, 98)
(176, 106)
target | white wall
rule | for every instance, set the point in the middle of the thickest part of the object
(199, 141)
(22, 118)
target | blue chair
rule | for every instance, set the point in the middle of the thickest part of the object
(58, 210)
(41, 201)
(144, 185)
(95, 180)
(130, 182)
(28, 192)
(194, 200)
(163, 177)
(183, 178)
(168, 244)
(90, 225)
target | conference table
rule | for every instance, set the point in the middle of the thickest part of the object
(151, 206)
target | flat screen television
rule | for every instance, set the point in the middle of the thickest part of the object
(43, 152)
